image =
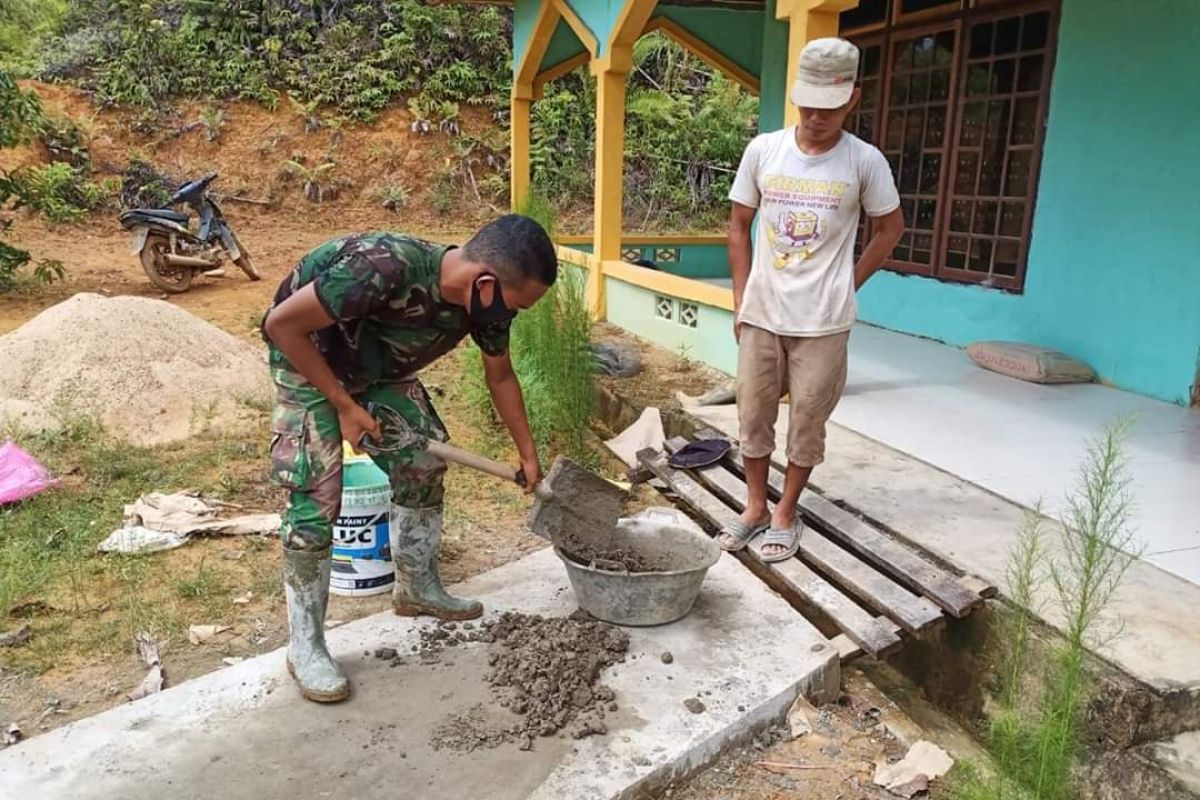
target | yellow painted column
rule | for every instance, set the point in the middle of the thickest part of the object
(610, 171)
(519, 164)
(807, 20)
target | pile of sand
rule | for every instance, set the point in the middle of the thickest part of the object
(151, 372)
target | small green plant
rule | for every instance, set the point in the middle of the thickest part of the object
(387, 154)
(394, 196)
(444, 192)
(1034, 736)
(318, 182)
(212, 120)
(204, 584)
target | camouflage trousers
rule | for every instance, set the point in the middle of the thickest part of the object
(306, 454)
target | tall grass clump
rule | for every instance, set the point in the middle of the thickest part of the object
(550, 346)
(1034, 736)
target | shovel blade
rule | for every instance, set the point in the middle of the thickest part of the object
(582, 502)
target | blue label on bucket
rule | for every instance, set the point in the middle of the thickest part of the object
(362, 537)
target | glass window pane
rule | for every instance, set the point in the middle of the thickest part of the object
(918, 91)
(899, 93)
(981, 256)
(869, 12)
(872, 60)
(939, 84)
(997, 123)
(1004, 76)
(989, 174)
(972, 124)
(931, 173)
(956, 252)
(960, 216)
(979, 79)
(910, 170)
(1008, 254)
(935, 127)
(1012, 219)
(1029, 78)
(923, 49)
(985, 218)
(870, 94)
(1016, 179)
(1035, 31)
(926, 214)
(944, 53)
(1008, 35)
(968, 171)
(981, 40)
(1025, 121)
(909, 6)
(895, 130)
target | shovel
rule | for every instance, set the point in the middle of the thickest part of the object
(570, 499)
(399, 436)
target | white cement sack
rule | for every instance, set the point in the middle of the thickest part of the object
(1030, 363)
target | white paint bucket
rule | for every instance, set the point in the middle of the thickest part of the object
(362, 552)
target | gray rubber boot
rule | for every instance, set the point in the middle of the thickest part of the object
(306, 581)
(415, 536)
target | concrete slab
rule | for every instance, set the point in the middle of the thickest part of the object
(974, 529)
(1180, 757)
(244, 734)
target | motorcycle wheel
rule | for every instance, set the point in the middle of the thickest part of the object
(171, 280)
(243, 261)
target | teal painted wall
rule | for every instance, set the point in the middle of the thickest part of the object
(735, 34)
(695, 260)
(563, 44)
(1113, 276)
(711, 341)
(524, 15)
(599, 16)
(774, 74)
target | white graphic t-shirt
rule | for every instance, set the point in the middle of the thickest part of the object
(802, 273)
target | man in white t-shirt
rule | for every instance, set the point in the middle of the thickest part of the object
(794, 290)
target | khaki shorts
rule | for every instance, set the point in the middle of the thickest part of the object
(812, 370)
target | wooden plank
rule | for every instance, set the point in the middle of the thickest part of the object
(876, 548)
(874, 636)
(890, 556)
(847, 649)
(868, 585)
(976, 584)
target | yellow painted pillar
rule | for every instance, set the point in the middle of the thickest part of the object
(807, 20)
(611, 79)
(519, 164)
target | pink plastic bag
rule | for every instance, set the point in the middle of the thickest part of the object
(21, 476)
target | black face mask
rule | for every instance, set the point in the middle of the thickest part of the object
(494, 314)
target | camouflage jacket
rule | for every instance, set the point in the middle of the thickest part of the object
(382, 290)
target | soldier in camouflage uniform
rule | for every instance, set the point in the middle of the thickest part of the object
(352, 324)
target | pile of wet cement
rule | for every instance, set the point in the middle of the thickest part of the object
(544, 670)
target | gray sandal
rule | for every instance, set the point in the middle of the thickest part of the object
(788, 538)
(741, 533)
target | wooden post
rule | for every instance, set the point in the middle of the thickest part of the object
(519, 164)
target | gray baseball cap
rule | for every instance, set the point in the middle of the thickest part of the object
(825, 74)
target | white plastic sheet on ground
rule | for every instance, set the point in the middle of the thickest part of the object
(647, 432)
(157, 522)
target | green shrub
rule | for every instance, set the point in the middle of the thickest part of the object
(60, 192)
(1034, 737)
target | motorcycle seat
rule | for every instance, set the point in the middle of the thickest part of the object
(159, 213)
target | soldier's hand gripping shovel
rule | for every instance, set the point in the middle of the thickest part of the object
(569, 498)
(397, 435)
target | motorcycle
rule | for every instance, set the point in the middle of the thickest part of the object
(171, 254)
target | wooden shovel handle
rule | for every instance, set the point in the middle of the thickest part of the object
(456, 455)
